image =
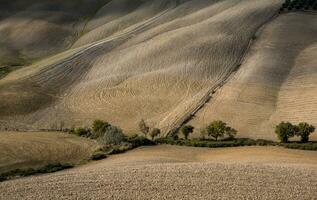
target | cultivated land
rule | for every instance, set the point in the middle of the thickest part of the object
(171, 172)
(157, 60)
(36, 149)
(65, 63)
(277, 80)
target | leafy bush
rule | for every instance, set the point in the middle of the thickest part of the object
(98, 155)
(262, 142)
(120, 148)
(50, 168)
(303, 146)
(137, 141)
(99, 127)
(187, 130)
(112, 136)
(207, 143)
(165, 140)
(83, 132)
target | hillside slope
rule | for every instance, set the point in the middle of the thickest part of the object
(166, 172)
(21, 150)
(277, 81)
(159, 60)
(33, 29)
(154, 60)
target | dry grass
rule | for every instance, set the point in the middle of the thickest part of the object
(36, 149)
(171, 172)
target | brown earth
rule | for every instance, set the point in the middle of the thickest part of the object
(172, 172)
(36, 149)
(159, 60)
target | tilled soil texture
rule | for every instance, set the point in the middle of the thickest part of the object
(172, 172)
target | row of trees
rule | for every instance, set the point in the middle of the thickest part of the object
(286, 130)
(110, 134)
(216, 129)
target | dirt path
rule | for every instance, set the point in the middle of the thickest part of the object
(172, 172)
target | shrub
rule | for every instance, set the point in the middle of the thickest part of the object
(304, 130)
(98, 155)
(50, 168)
(99, 127)
(187, 130)
(120, 149)
(137, 141)
(144, 128)
(112, 136)
(284, 131)
(83, 132)
(155, 132)
(305, 146)
(262, 142)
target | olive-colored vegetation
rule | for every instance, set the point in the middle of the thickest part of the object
(187, 130)
(112, 139)
(218, 129)
(291, 5)
(214, 135)
(286, 130)
(50, 168)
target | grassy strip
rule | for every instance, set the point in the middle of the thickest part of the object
(215, 144)
(131, 143)
(50, 168)
(312, 146)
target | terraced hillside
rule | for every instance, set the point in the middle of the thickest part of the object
(156, 59)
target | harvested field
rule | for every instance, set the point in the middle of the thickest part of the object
(277, 81)
(36, 149)
(136, 62)
(158, 60)
(171, 172)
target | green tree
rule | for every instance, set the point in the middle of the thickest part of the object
(155, 132)
(285, 130)
(187, 130)
(144, 128)
(304, 130)
(216, 129)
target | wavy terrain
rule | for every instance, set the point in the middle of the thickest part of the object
(171, 172)
(160, 60)
(276, 82)
(21, 150)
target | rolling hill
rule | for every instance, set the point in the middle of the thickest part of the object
(165, 61)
